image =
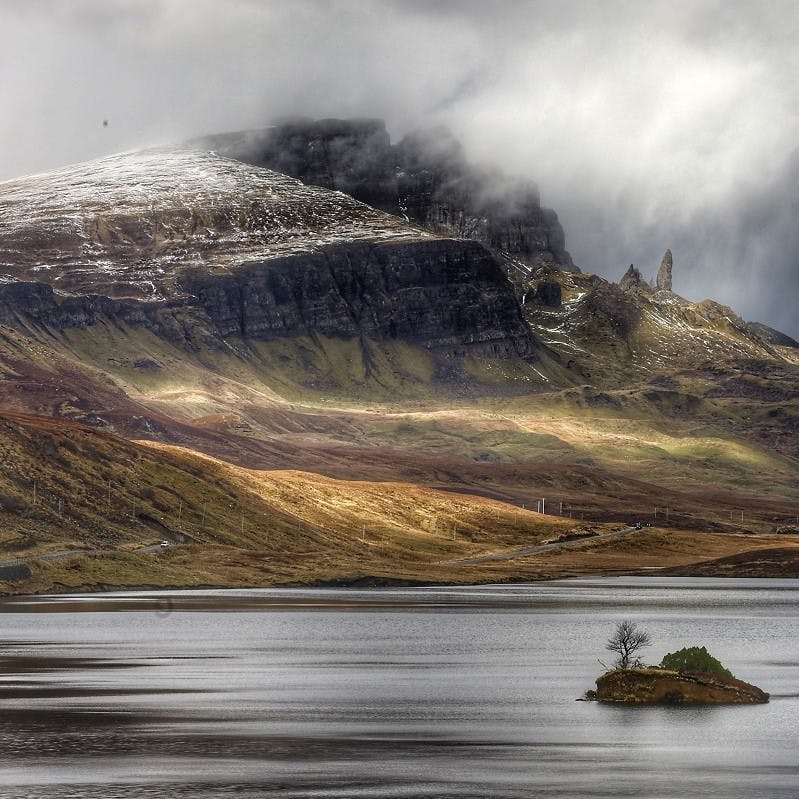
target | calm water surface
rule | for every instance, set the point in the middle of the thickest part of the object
(455, 692)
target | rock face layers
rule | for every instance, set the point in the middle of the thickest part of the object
(664, 687)
(424, 178)
(440, 294)
(663, 281)
(198, 248)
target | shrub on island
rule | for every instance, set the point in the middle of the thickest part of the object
(694, 659)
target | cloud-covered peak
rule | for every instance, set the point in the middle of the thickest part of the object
(646, 126)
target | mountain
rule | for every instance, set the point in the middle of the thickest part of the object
(201, 250)
(289, 382)
(425, 178)
(172, 227)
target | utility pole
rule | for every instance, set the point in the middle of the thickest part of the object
(543, 505)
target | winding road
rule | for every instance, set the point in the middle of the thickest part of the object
(46, 556)
(516, 553)
(67, 552)
(520, 553)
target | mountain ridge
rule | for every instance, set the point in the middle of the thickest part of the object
(424, 178)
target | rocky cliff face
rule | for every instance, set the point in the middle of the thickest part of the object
(199, 248)
(439, 294)
(424, 178)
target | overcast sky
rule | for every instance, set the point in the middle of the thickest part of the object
(646, 125)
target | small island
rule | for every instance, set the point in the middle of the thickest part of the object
(655, 686)
(691, 676)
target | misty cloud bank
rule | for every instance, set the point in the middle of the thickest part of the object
(646, 125)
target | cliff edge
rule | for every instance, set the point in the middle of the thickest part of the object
(425, 178)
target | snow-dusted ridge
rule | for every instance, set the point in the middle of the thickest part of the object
(125, 225)
(619, 337)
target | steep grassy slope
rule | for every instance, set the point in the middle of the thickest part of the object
(64, 487)
(614, 454)
(83, 509)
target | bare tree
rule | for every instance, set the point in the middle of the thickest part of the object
(627, 641)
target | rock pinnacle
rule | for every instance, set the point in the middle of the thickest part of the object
(664, 273)
(632, 280)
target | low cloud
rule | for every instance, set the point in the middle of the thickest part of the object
(646, 126)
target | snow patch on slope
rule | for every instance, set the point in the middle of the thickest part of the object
(125, 224)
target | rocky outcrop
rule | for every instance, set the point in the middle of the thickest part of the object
(632, 281)
(424, 178)
(663, 280)
(549, 293)
(655, 686)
